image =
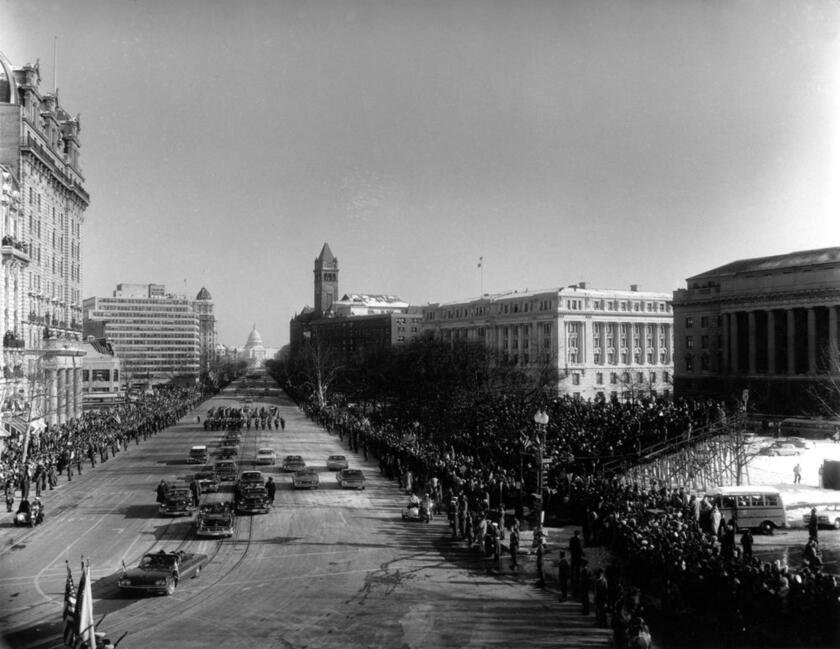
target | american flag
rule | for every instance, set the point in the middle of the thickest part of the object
(69, 615)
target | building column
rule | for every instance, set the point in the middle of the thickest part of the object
(791, 341)
(771, 342)
(833, 334)
(751, 341)
(78, 400)
(70, 395)
(725, 345)
(733, 342)
(812, 340)
(52, 398)
(61, 401)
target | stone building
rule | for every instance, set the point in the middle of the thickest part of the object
(768, 324)
(203, 306)
(604, 343)
(42, 241)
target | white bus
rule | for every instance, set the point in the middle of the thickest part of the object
(750, 506)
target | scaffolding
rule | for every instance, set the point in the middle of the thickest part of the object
(713, 456)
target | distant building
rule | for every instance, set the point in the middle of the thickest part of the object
(203, 305)
(154, 334)
(604, 343)
(254, 350)
(101, 374)
(768, 324)
(354, 324)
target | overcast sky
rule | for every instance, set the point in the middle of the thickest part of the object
(611, 142)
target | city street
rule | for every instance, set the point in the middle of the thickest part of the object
(326, 568)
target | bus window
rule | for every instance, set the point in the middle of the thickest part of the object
(743, 501)
(728, 501)
(757, 500)
(771, 500)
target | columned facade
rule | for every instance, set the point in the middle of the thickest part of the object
(777, 323)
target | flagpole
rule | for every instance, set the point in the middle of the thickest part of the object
(481, 270)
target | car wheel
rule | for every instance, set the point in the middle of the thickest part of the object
(170, 587)
(767, 528)
(837, 523)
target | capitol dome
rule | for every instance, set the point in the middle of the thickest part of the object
(254, 339)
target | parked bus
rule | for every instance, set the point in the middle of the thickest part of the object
(811, 428)
(750, 506)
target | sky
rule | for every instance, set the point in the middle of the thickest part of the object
(613, 142)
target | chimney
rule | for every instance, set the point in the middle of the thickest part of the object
(581, 284)
(634, 287)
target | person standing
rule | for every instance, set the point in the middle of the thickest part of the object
(576, 555)
(513, 544)
(9, 489)
(585, 587)
(747, 544)
(539, 543)
(813, 524)
(270, 488)
(797, 474)
(601, 594)
(563, 571)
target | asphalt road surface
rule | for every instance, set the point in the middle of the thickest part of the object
(325, 568)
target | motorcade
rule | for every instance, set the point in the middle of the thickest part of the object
(293, 463)
(305, 479)
(252, 500)
(351, 479)
(827, 516)
(161, 572)
(198, 455)
(337, 463)
(750, 506)
(29, 514)
(178, 501)
(248, 478)
(208, 481)
(226, 470)
(215, 519)
(266, 456)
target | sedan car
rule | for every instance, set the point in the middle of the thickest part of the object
(253, 500)
(251, 478)
(827, 516)
(293, 463)
(160, 572)
(208, 481)
(226, 470)
(337, 463)
(177, 502)
(783, 448)
(350, 479)
(266, 456)
(305, 479)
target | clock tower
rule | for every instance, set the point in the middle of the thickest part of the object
(326, 281)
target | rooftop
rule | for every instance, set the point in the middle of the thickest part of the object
(799, 259)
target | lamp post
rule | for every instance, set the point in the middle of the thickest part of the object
(541, 422)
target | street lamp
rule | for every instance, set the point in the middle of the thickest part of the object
(541, 422)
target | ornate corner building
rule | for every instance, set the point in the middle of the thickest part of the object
(44, 201)
(768, 325)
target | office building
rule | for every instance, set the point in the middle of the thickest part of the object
(604, 343)
(155, 334)
(768, 325)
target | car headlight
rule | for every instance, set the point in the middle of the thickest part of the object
(160, 582)
(124, 582)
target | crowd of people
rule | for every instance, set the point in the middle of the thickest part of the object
(235, 419)
(65, 449)
(688, 570)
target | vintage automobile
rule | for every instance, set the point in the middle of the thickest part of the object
(29, 514)
(253, 500)
(783, 448)
(228, 448)
(350, 479)
(226, 470)
(208, 481)
(198, 455)
(827, 516)
(266, 456)
(337, 463)
(161, 572)
(293, 463)
(305, 479)
(249, 478)
(178, 501)
(215, 519)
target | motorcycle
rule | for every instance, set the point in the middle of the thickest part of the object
(29, 515)
(415, 511)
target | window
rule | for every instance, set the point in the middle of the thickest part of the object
(599, 378)
(689, 363)
(704, 342)
(689, 323)
(575, 378)
(665, 376)
(705, 362)
(689, 342)
(652, 378)
(704, 321)
(613, 378)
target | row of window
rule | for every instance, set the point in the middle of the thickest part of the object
(626, 378)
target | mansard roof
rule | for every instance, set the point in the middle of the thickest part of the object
(798, 259)
(203, 294)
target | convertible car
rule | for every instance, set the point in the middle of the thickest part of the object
(350, 479)
(178, 502)
(208, 481)
(226, 470)
(215, 519)
(161, 572)
(305, 479)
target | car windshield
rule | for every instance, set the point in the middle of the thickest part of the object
(156, 561)
(336, 457)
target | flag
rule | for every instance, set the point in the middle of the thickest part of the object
(480, 261)
(69, 607)
(84, 628)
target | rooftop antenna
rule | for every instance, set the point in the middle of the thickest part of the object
(481, 269)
